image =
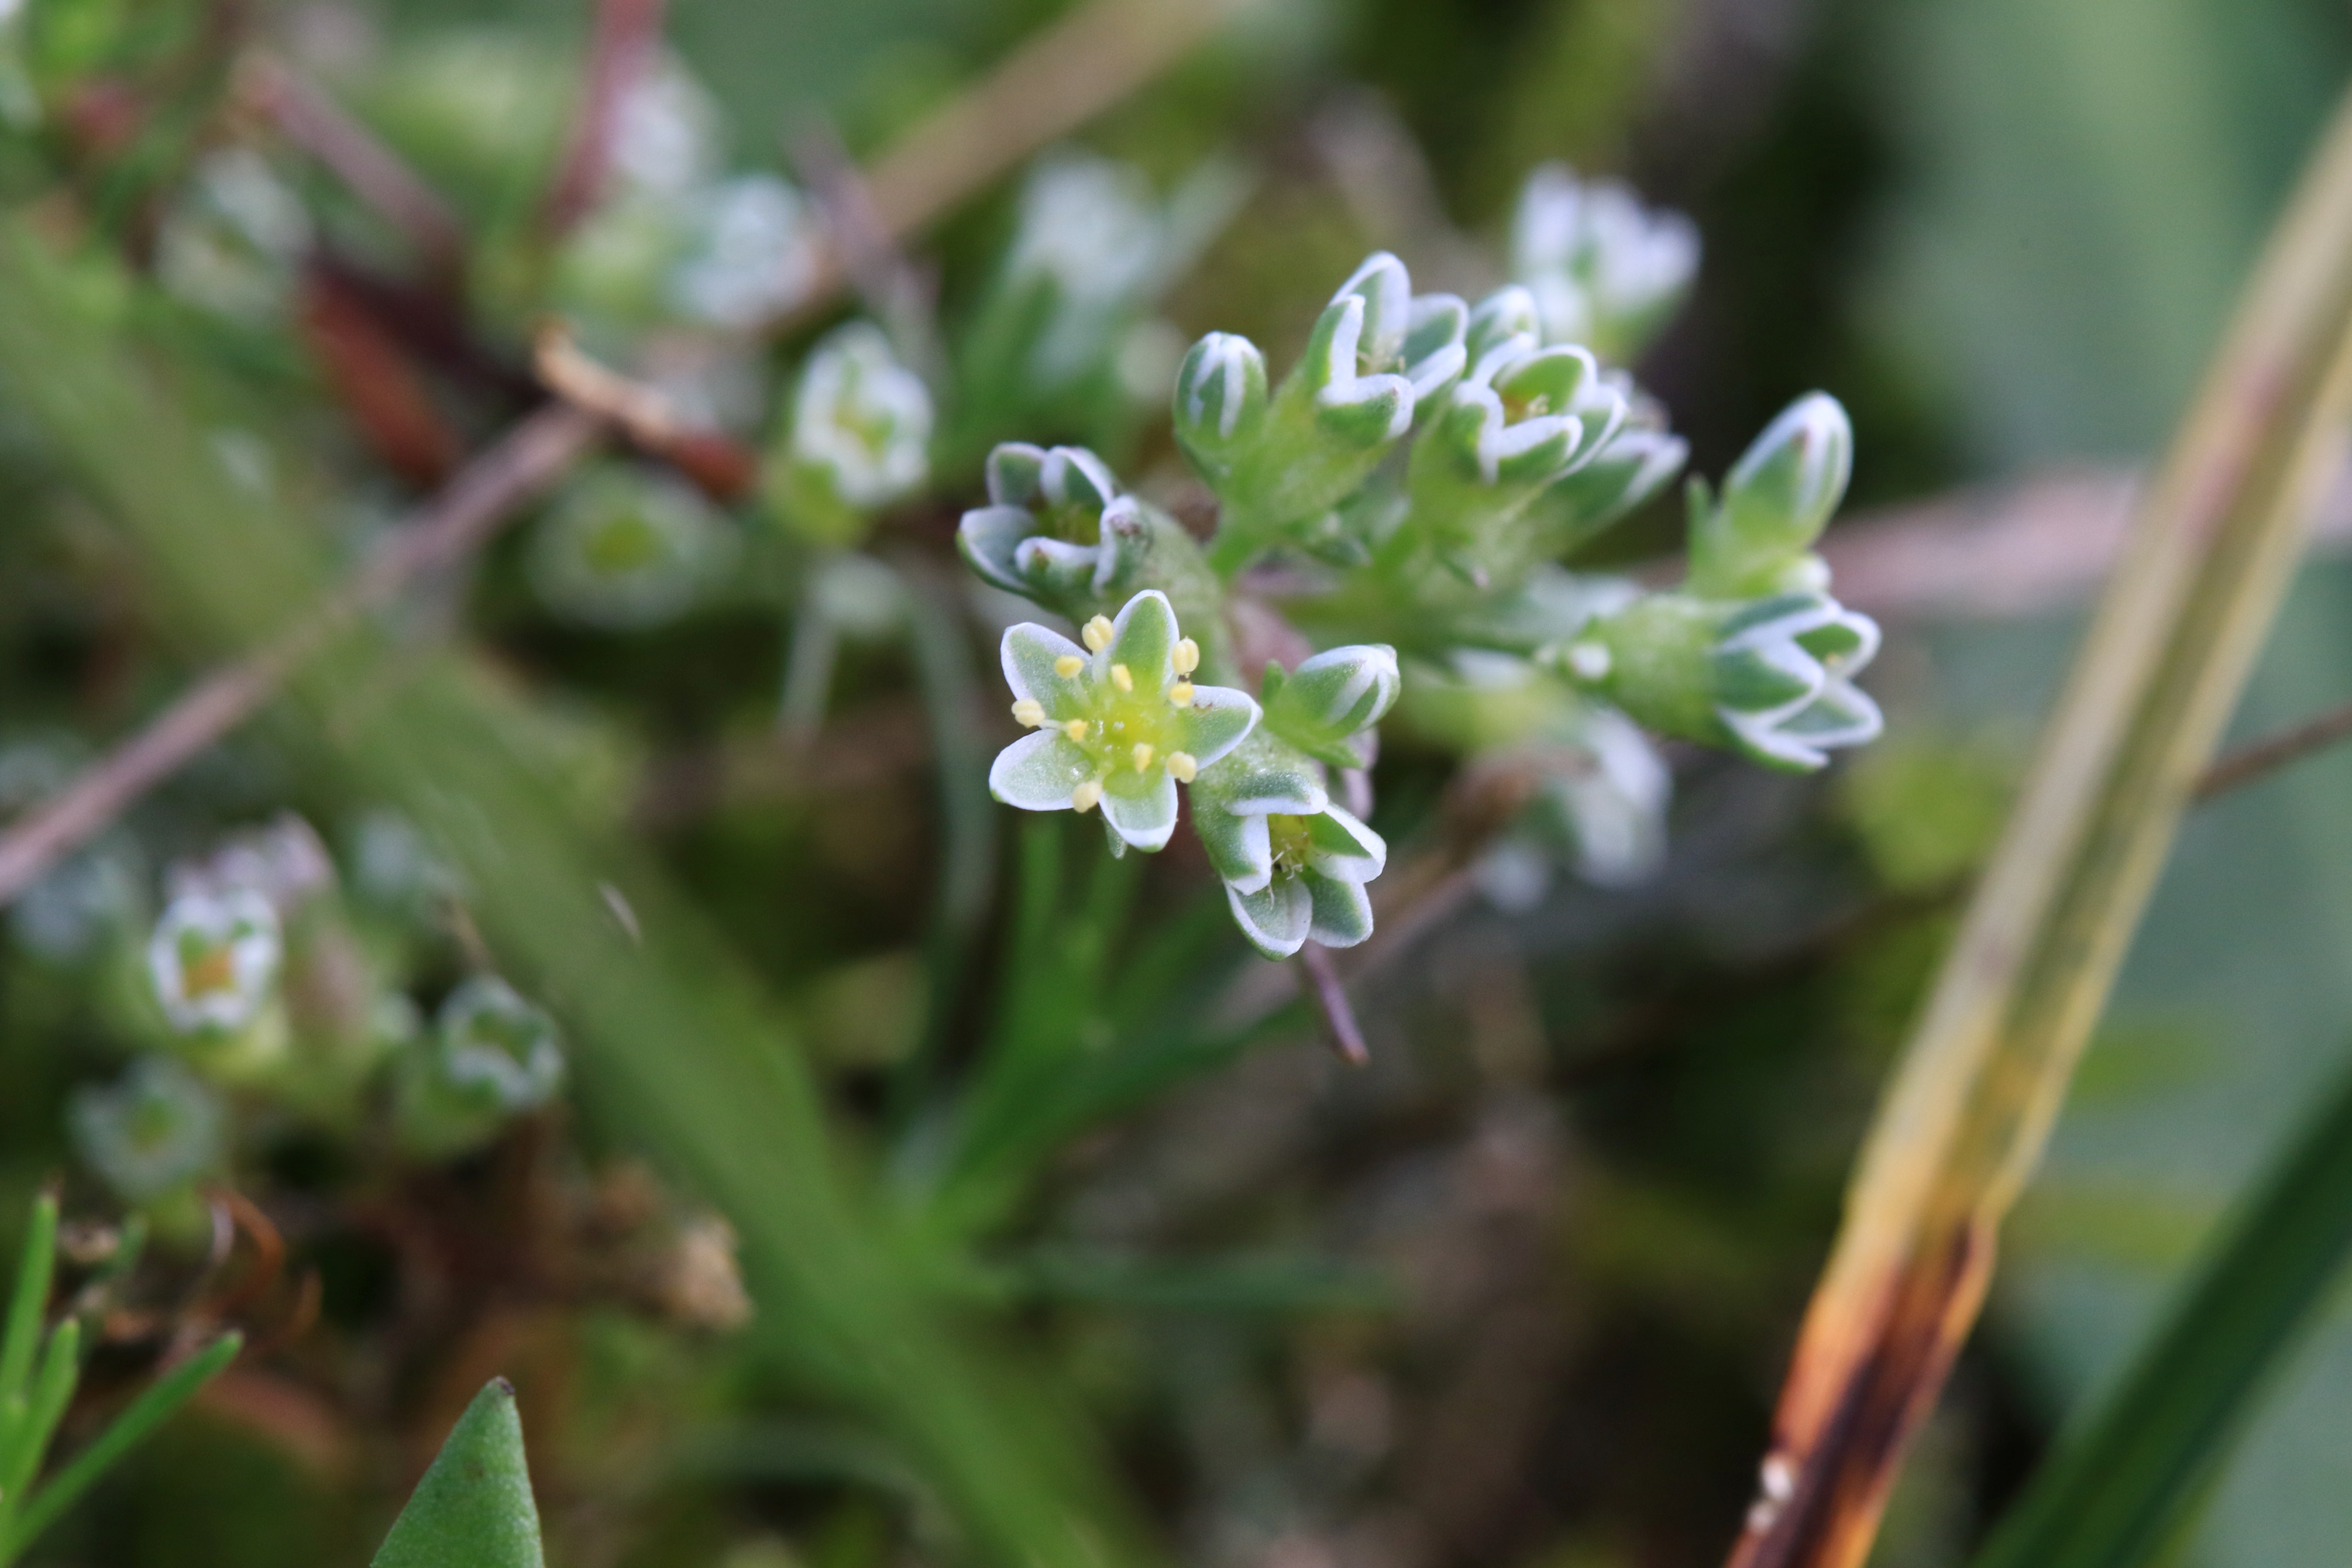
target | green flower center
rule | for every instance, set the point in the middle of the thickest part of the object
(1290, 838)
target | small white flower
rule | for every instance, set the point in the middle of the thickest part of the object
(861, 418)
(1294, 865)
(153, 1132)
(213, 960)
(1118, 723)
(234, 239)
(497, 1050)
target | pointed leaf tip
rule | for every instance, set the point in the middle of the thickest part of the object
(473, 1508)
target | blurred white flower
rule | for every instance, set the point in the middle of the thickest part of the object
(751, 247)
(625, 549)
(1604, 271)
(862, 419)
(153, 1132)
(213, 960)
(233, 237)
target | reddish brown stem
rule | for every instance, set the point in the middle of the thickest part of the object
(620, 52)
(1320, 982)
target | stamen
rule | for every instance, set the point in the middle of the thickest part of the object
(1121, 677)
(1029, 711)
(1180, 694)
(1142, 755)
(1075, 729)
(1186, 656)
(1182, 768)
(1095, 634)
(1086, 796)
(1069, 665)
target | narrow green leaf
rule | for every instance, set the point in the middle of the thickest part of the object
(473, 1507)
(30, 1298)
(45, 1406)
(146, 1412)
(2121, 1484)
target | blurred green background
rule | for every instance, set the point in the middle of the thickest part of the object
(1520, 1293)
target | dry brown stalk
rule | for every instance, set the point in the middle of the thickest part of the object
(626, 40)
(1989, 1060)
(443, 532)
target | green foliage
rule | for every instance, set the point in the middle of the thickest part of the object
(474, 1509)
(2136, 1466)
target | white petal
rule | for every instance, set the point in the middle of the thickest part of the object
(1342, 910)
(1029, 654)
(1037, 771)
(1220, 719)
(1143, 638)
(1140, 807)
(1277, 920)
(987, 537)
(1340, 847)
(1240, 852)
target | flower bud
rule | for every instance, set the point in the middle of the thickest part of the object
(1776, 500)
(1332, 697)
(153, 1133)
(1057, 529)
(860, 438)
(1221, 402)
(492, 1056)
(1774, 677)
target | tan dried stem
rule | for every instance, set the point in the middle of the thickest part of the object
(1988, 1066)
(1073, 70)
(453, 525)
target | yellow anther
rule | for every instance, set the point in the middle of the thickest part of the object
(1121, 677)
(1096, 633)
(1086, 796)
(1029, 711)
(1143, 755)
(1186, 656)
(1075, 729)
(1180, 694)
(1069, 665)
(1182, 768)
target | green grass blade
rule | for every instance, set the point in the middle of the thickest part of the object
(2119, 1486)
(474, 1509)
(146, 1412)
(45, 1406)
(30, 1300)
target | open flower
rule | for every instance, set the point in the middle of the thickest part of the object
(1784, 679)
(1604, 271)
(1118, 723)
(213, 959)
(152, 1133)
(1294, 865)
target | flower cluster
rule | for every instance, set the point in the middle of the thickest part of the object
(1423, 474)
